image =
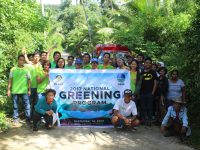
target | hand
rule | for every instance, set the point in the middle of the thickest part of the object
(23, 50)
(46, 74)
(183, 130)
(50, 112)
(162, 129)
(55, 46)
(8, 93)
(29, 92)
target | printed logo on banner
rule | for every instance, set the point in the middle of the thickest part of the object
(121, 78)
(58, 80)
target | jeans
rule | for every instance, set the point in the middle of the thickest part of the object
(33, 99)
(147, 106)
(26, 102)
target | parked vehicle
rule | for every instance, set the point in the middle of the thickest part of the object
(116, 51)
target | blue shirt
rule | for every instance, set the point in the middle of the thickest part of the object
(171, 113)
(41, 107)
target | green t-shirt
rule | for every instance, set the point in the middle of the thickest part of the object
(105, 67)
(41, 87)
(19, 77)
(53, 64)
(33, 69)
(88, 66)
(69, 67)
(133, 80)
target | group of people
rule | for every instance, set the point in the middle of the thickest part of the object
(153, 93)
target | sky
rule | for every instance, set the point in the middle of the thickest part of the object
(54, 2)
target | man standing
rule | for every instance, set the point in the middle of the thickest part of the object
(56, 56)
(125, 111)
(86, 61)
(94, 63)
(70, 60)
(19, 86)
(140, 59)
(78, 63)
(148, 88)
(33, 67)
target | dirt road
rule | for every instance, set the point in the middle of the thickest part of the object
(66, 138)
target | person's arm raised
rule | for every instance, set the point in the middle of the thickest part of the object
(50, 50)
(25, 55)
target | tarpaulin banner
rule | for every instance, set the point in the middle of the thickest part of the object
(86, 97)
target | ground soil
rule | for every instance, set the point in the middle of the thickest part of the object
(75, 138)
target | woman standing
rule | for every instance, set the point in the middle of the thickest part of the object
(176, 88)
(121, 64)
(60, 63)
(134, 76)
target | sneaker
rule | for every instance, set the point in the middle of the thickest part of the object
(43, 120)
(15, 122)
(35, 129)
(28, 124)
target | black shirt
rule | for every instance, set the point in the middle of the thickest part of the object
(163, 86)
(148, 79)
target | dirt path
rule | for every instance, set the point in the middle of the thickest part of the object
(88, 139)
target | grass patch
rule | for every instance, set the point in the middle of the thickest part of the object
(3, 122)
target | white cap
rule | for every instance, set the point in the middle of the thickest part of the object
(161, 63)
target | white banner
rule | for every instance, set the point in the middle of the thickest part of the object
(85, 96)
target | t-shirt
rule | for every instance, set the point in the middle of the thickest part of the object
(175, 89)
(125, 109)
(105, 67)
(69, 67)
(88, 66)
(33, 69)
(53, 64)
(41, 87)
(133, 80)
(20, 77)
(148, 79)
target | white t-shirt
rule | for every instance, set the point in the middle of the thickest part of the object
(126, 109)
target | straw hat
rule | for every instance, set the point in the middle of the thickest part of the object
(178, 100)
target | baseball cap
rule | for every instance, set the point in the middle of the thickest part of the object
(78, 61)
(128, 91)
(161, 64)
(94, 60)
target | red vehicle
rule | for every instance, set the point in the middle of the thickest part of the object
(114, 49)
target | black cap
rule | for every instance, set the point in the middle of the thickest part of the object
(128, 91)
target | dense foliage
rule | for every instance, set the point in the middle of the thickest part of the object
(21, 24)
